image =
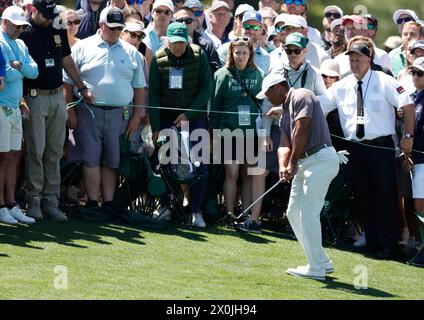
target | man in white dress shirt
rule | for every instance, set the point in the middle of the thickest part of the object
(365, 101)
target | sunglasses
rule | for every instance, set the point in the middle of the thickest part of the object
(296, 2)
(325, 77)
(75, 22)
(134, 35)
(404, 20)
(251, 27)
(19, 27)
(295, 51)
(185, 20)
(328, 15)
(241, 40)
(166, 12)
(279, 28)
(198, 13)
(371, 26)
(115, 28)
(417, 73)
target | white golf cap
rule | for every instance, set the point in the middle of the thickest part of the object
(295, 21)
(281, 18)
(330, 68)
(418, 64)
(333, 8)
(134, 27)
(166, 3)
(15, 15)
(408, 12)
(335, 23)
(219, 4)
(243, 8)
(270, 80)
(393, 42)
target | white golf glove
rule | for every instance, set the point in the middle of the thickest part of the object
(342, 156)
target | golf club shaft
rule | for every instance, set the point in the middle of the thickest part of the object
(257, 200)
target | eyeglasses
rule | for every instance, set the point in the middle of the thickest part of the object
(279, 28)
(251, 27)
(241, 39)
(185, 20)
(371, 26)
(198, 13)
(325, 77)
(115, 28)
(295, 51)
(134, 35)
(404, 20)
(335, 15)
(166, 12)
(75, 22)
(296, 2)
(19, 27)
(417, 73)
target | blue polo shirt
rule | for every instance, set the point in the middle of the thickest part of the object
(110, 72)
(2, 64)
(15, 50)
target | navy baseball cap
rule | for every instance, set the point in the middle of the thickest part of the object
(47, 8)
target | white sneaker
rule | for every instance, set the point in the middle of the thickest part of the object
(362, 241)
(16, 213)
(306, 272)
(162, 213)
(6, 218)
(328, 267)
(198, 221)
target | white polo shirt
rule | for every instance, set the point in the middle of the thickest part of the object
(380, 94)
(110, 72)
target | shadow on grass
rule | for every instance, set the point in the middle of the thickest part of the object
(331, 283)
(67, 233)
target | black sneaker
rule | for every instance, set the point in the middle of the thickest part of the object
(249, 226)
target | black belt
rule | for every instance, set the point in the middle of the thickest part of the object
(107, 107)
(377, 141)
(313, 151)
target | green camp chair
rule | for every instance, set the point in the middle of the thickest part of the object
(338, 204)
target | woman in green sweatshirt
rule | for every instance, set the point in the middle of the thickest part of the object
(233, 117)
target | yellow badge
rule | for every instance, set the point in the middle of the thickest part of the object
(57, 40)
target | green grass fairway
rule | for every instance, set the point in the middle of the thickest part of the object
(116, 261)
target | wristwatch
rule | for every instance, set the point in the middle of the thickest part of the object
(83, 88)
(407, 136)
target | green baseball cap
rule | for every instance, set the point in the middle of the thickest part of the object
(297, 39)
(177, 32)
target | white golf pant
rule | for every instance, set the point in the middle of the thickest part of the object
(307, 196)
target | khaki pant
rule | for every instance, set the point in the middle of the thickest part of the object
(44, 134)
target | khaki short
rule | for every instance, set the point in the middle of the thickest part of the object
(10, 129)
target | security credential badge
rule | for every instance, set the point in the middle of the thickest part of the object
(176, 78)
(244, 115)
